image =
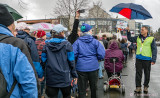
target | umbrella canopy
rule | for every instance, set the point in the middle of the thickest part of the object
(13, 12)
(131, 11)
(42, 26)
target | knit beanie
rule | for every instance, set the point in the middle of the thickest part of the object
(85, 27)
(41, 33)
(5, 16)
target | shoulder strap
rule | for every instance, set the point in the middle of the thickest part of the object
(2, 37)
(12, 88)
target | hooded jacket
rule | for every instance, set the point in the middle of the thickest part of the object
(16, 63)
(113, 51)
(60, 63)
(87, 52)
(30, 41)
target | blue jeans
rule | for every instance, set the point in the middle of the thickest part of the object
(60, 94)
(101, 67)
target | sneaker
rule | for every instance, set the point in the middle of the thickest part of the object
(105, 82)
(145, 90)
(138, 90)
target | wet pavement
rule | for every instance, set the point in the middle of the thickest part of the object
(129, 82)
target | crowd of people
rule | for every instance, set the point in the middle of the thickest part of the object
(30, 64)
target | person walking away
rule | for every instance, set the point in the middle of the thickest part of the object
(101, 62)
(40, 42)
(17, 71)
(60, 64)
(105, 41)
(113, 51)
(87, 52)
(146, 55)
(124, 48)
(23, 34)
(114, 38)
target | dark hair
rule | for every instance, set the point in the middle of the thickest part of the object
(145, 27)
(96, 37)
(104, 35)
(123, 41)
(54, 34)
(114, 37)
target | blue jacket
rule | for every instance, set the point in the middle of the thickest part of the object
(124, 46)
(34, 52)
(60, 63)
(15, 63)
(87, 52)
(153, 46)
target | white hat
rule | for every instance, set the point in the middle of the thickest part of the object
(59, 28)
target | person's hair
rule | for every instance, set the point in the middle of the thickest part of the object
(114, 37)
(95, 36)
(54, 34)
(123, 41)
(104, 35)
(145, 27)
(85, 33)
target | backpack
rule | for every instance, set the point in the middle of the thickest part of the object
(3, 83)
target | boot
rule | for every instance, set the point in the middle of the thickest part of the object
(138, 90)
(145, 90)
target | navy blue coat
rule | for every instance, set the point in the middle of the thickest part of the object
(34, 52)
(60, 64)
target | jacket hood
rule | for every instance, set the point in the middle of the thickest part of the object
(86, 38)
(23, 35)
(5, 30)
(113, 45)
(55, 44)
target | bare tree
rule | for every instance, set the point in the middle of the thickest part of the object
(21, 4)
(66, 8)
(95, 12)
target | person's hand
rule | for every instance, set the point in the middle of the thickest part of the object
(127, 28)
(75, 79)
(77, 15)
(41, 79)
(152, 63)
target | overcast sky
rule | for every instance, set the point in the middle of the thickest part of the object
(37, 9)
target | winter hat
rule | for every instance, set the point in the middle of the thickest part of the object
(85, 27)
(59, 28)
(41, 33)
(5, 16)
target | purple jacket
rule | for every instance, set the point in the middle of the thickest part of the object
(113, 51)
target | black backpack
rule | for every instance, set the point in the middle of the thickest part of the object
(3, 83)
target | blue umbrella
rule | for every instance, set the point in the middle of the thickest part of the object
(131, 11)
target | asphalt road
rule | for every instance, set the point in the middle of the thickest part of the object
(129, 82)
